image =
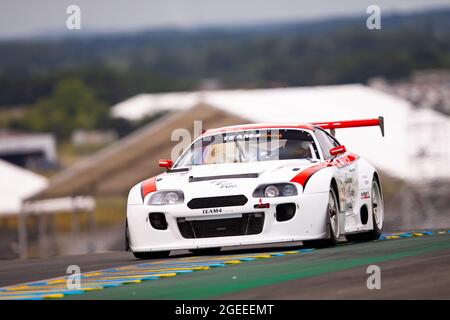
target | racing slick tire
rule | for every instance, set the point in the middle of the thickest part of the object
(377, 216)
(333, 224)
(151, 255)
(206, 251)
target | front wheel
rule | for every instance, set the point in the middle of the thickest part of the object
(151, 255)
(333, 224)
(377, 216)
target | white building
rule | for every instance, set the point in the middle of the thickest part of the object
(17, 184)
(35, 150)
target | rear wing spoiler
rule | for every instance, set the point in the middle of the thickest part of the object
(378, 122)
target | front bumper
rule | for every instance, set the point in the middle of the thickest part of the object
(308, 223)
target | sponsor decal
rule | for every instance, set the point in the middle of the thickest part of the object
(224, 185)
(365, 195)
(214, 210)
(365, 179)
(247, 136)
(241, 136)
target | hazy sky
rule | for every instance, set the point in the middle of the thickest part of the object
(20, 18)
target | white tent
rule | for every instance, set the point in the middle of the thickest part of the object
(16, 184)
(416, 145)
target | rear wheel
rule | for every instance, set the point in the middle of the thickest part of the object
(206, 251)
(333, 224)
(377, 216)
(151, 255)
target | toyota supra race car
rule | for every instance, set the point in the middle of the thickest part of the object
(258, 184)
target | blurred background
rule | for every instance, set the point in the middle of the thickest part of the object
(86, 113)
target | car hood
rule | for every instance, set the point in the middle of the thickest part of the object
(231, 178)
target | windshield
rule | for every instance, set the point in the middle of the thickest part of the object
(249, 146)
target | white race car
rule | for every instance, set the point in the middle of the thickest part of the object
(257, 184)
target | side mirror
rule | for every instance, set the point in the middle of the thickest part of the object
(337, 150)
(164, 163)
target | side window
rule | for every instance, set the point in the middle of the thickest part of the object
(326, 142)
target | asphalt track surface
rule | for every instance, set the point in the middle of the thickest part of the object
(413, 266)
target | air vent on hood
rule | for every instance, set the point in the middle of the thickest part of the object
(228, 176)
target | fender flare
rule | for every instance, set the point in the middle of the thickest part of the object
(320, 180)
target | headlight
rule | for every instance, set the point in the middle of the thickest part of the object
(275, 190)
(289, 190)
(271, 191)
(171, 198)
(166, 197)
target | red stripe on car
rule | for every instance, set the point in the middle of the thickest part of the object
(339, 162)
(148, 186)
(304, 175)
(344, 160)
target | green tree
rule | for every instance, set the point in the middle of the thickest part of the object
(72, 105)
